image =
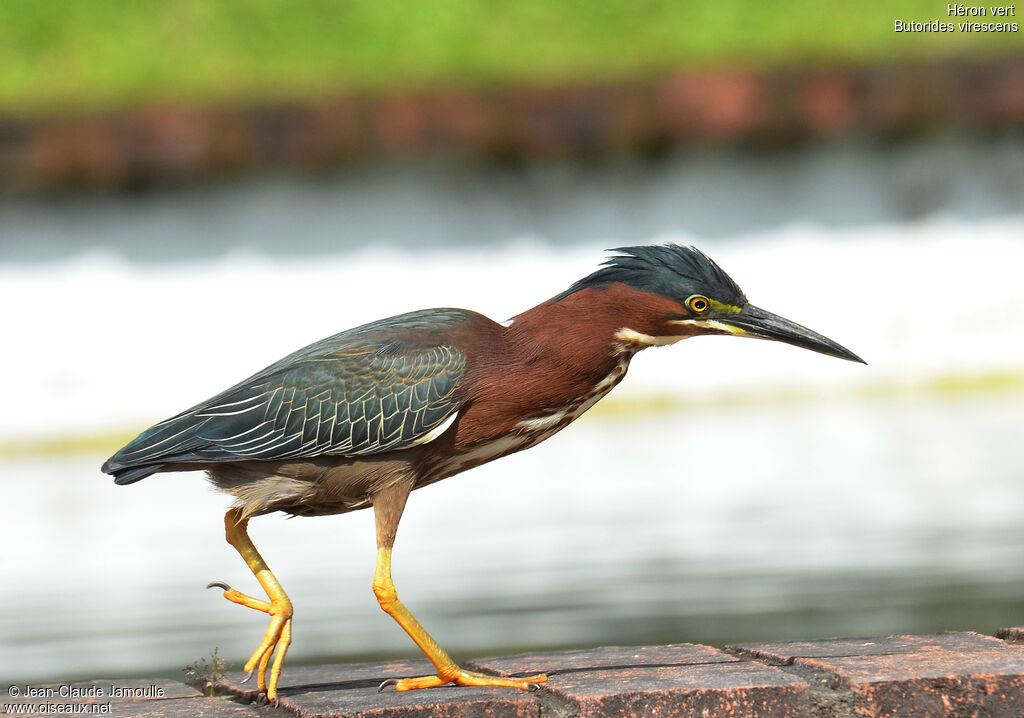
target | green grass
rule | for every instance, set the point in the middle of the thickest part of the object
(101, 53)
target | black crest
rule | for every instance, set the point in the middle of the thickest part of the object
(670, 270)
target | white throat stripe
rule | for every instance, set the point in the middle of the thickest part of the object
(630, 336)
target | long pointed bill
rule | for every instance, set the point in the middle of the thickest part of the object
(755, 322)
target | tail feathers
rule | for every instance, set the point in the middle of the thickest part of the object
(131, 474)
(154, 449)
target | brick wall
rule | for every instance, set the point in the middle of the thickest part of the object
(181, 143)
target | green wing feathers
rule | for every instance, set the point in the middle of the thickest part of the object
(340, 400)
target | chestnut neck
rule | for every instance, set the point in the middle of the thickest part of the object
(583, 325)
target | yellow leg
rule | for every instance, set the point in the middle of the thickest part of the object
(279, 633)
(448, 671)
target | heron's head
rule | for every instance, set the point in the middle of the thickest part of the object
(684, 293)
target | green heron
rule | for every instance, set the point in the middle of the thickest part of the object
(363, 417)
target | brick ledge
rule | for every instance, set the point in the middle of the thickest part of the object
(950, 674)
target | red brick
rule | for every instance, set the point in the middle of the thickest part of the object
(954, 674)
(828, 102)
(712, 105)
(675, 680)
(351, 690)
(164, 142)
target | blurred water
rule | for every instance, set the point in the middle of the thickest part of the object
(849, 519)
(841, 516)
(116, 346)
(712, 194)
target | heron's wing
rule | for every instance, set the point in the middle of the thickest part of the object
(350, 400)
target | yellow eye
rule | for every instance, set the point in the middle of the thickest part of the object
(698, 303)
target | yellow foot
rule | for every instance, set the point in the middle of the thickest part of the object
(462, 677)
(277, 638)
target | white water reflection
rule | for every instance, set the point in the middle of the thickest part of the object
(117, 346)
(853, 519)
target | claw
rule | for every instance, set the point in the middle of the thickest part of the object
(533, 686)
(218, 584)
(248, 676)
(385, 684)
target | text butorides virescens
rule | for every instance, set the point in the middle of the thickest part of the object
(364, 417)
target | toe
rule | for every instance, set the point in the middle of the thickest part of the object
(464, 678)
